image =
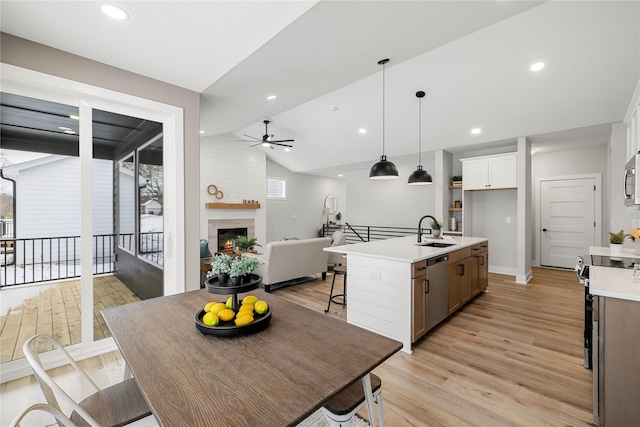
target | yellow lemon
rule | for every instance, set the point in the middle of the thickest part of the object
(246, 307)
(226, 314)
(218, 307)
(243, 319)
(230, 302)
(207, 307)
(210, 319)
(261, 307)
(249, 299)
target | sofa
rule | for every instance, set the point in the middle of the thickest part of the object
(292, 259)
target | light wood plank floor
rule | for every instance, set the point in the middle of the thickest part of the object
(56, 312)
(510, 357)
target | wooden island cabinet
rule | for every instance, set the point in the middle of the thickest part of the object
(419, 289)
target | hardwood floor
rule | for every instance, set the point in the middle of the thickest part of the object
(510, 357)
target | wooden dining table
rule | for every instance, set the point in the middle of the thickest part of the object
(274, 377)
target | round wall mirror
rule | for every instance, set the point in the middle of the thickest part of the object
(331, 203)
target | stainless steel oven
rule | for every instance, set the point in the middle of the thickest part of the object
(632, 181)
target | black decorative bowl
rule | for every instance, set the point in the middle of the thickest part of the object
(229, 329)
(215, 287)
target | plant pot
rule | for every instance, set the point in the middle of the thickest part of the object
(436, 232)
(222, 278)
(235, 281)
(246, 278)
(615, 249)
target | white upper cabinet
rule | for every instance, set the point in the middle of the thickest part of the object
(489, 172)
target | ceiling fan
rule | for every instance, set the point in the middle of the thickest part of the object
(267, 139)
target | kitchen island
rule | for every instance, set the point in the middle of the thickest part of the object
(391, 290)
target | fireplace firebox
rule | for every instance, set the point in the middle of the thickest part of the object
(226, 236)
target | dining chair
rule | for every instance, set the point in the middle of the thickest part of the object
(342, 407)
(43, 407)
(117, 405)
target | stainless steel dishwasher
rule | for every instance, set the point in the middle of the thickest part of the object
(437, 289)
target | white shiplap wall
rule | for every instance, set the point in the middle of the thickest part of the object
(240, 173)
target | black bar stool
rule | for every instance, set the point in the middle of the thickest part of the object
(338, 270)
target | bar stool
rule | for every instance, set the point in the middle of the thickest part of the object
(338, 270)
(340, 410)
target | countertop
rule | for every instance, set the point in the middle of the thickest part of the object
(613, 282)
(405, 249)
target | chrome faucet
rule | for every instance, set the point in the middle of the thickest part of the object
(436, 226)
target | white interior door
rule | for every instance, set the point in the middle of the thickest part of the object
(567, 220)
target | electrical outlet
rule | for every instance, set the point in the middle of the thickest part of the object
(508, 220)
(376, 275)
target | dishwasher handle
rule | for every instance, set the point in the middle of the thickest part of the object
(438, 259)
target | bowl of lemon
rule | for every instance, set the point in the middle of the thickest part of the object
(224, 319)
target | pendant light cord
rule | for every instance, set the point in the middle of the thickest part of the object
(420, 132)
(383, 108)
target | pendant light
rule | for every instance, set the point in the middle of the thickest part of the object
(420, 176)
(384, 169)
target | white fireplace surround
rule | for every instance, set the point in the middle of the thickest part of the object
(215, 224)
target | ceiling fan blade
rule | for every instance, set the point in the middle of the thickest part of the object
(252, 137)
(281, 145)
(259, 143)
(283, 140)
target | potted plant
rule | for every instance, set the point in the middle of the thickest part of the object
(615, 242)
(338, 217)
(220, 266)
(436, 228)
(456, 179)
(244, 243)
(235, 271)
(247, 265)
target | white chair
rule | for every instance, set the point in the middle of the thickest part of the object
(59, 416)
(338, 238)
(342, 407)
(117, 405)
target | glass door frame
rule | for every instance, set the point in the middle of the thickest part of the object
(87, 97)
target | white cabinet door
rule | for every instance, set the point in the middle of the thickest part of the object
(502, 172)
(475, 174)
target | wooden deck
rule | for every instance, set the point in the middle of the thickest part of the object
(56, 312)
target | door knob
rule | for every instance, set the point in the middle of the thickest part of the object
(544, 229)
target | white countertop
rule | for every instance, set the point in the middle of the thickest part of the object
(605, 251)
(613, 282)
(405, 249)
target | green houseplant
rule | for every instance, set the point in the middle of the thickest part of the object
(436, 228)
(615, 242)
(338, 217)
(245, 243)
(220, 266)
(456, 179)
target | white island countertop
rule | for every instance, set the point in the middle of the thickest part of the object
(405, 249)
(613, 282)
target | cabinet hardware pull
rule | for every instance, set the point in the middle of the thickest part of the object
(426, 281)
(461, 270)
(421, 268)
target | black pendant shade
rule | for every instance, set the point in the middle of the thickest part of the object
(420, 176)
(384, 169)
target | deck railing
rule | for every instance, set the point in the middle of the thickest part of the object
(35, 260)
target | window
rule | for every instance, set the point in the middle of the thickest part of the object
(276, 188)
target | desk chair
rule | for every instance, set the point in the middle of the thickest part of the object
(117, 405)
(59, 416)
(342, 407)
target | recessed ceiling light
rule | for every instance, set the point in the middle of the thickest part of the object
(270, 97)
(333, 108)
(114, 12)
(287, 149)
(64, 128)
(201, 132)
(74, 117)
(476, 131)
(339, 175)
(537, 66)
(363, 130)
(69, 132)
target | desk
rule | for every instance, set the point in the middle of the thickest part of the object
(276, 377)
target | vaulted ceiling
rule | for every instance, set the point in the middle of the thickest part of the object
(320, 58)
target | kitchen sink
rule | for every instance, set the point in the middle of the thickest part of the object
(436, 244)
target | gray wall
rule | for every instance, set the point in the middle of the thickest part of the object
(390, 202)
(302, 213)
(34, 56)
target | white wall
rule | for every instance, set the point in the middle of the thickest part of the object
(239, 172)
(302, 213)
(392, 202)
(588, 160)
